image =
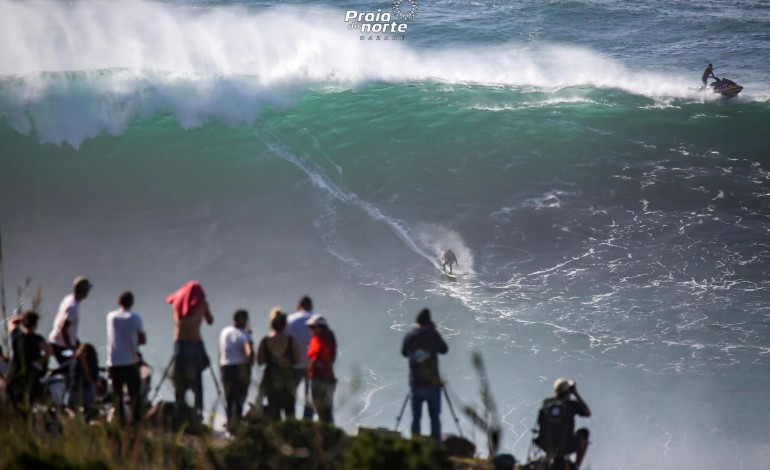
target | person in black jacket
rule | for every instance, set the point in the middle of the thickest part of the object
(422, 346)
(29, 362)
(556, 423)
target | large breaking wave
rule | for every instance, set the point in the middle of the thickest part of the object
(79, 69)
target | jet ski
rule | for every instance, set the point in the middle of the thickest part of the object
(726, 88)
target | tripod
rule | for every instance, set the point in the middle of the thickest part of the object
(448, 400)
(168, 368)
(163, 378)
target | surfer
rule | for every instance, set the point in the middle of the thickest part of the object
(448, 258)
(708, 73)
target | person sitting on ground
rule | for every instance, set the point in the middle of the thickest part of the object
(321, 353)
(84, 381)
(236, 355)
(125, 333)
(29, 363)
(556, 422)
(708, 73)
(190, 309)
(448, 259)
(422, 346)
(279, 353)
(64, 335)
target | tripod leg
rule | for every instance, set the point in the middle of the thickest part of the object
(216, 382)
(403, 407)
(451, 408)
(163, 378)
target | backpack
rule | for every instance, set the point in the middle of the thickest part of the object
(554, 426)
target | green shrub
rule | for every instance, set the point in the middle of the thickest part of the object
(26, 459)
(34, 442)
(295, 445)
(374, 451)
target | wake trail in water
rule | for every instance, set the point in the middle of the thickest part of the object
(322, 182)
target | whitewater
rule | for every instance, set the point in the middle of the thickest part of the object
(609, 217)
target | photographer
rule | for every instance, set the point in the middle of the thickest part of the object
(422, 346)
(556, 420)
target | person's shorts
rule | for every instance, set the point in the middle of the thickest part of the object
(573, 444)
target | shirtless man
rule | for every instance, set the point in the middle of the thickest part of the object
(708, 73)
(190, 358)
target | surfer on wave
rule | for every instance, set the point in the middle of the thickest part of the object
(448, 258)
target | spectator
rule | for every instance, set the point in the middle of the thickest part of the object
(322, 352)
(279, 352)
(301, 333)
(422, 346)
(190, 309)
(236, 355)
(125, 333)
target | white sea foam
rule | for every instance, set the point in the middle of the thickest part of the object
(75, 70)
(281, 46)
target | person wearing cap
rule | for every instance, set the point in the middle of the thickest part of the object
(321, 353)
(556, 422)
(236, 355)
(279, 353)
(190, 309)
(298, 330)
(708, 73)
(422, 345)
(64, 334)
(125, 333)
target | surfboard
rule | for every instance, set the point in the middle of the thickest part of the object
(448, 276)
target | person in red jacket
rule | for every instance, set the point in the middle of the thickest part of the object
(321, 353)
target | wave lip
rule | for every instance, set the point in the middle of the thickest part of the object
(79, 69)
(279, 46)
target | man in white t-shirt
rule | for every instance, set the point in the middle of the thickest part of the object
(64, 335)
(236, 355)
(125, 333)
(298, 330)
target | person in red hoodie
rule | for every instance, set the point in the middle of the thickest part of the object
(321, 353)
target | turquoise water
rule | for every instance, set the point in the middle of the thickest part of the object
(609, 217)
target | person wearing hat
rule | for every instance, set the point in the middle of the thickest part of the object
(64, 334)
(279, 353)
(321, 353)
(422, 346)
(556, 422)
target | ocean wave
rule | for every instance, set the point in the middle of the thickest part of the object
(83, 68)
